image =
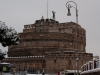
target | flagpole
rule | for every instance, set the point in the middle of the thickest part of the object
(47, 8)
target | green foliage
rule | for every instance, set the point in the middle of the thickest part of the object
(8, 36)
(1, 56)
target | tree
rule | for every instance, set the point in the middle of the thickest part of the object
(8, 36)
(2, 56)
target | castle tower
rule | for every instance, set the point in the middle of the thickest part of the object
(51, 46)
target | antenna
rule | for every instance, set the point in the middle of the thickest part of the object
(47, 8)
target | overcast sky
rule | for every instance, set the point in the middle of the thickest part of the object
(17, 13)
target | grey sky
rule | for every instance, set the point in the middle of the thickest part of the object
(17, 13)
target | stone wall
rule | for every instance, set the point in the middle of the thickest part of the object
(50, 45)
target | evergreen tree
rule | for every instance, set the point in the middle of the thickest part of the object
(2, 56)
(8, 36)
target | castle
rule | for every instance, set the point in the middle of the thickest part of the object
(50, 46)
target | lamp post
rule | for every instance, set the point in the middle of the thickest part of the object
(76, 46)
(77, 64)
(69, 6)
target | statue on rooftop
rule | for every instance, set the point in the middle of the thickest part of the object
(53, 15)
(42, 17)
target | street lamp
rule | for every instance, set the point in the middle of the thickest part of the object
(77, 59)
(69, 6)
(76, 47)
